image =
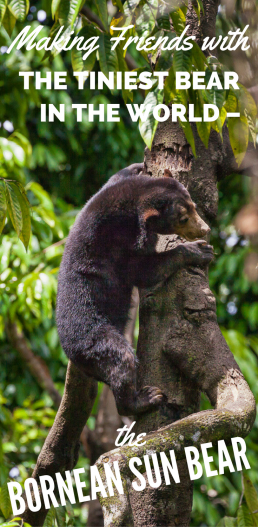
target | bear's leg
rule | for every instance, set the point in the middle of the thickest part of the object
(112, 361)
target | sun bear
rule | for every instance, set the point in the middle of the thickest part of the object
(110, 249)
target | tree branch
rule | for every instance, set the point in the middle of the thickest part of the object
(60, 450)
(34, 363)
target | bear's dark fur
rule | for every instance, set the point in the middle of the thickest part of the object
(110, 249)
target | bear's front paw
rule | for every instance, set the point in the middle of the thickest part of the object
(198, 253)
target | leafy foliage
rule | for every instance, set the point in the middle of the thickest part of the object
(151, 19)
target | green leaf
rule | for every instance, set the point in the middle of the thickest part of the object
(214, 95)
(103, 14)
(50, 518)
(163, 21)
(60, 516)
(203, 128)
(23, 142)
(26, 222)
(198, 8)
(54, 7)
(182, 60)
(67, 11)
(9, 22)
(246, 102)
(12, 524)
(118, 4)
(170, 86)
(188, 134)
(178, 19)
(218, 124)
(107, 58)
(198, 57)
(201, 6)
(227, 521)
(231, 104)
(5, 502)
(123, 67)
(78, 63)
(129, 10)
(146, 15)
(41, 194)
(3, 205)
(252, 127)
(3, 4)
(244, 518)
(238, 136)
(117, 21)
(54, 30)
(13, 206)
(19, 8)
(251, 498)
(148, 127)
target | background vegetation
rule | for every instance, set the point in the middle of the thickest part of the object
(62, 165)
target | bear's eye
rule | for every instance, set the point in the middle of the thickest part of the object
(182, 221)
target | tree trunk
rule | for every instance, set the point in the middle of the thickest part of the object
(176, 316)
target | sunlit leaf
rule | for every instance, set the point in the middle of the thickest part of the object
(117, 21)
(19, 8)
(118, 4)
(178, 19)
(3, 4)
(5, 502)
(3, 205)
(227, 521)
(26, 222)
(9, 22)
(51, 54)
(129, 10)
(78, 63)
(13, 206)
(218, 124)
(54, 7)
(231, 104)
(251, 498)
(67, 11)
(146, 17)
(246, 102)
(239, 137)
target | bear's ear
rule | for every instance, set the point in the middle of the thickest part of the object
(149, 214)
(167, 173)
